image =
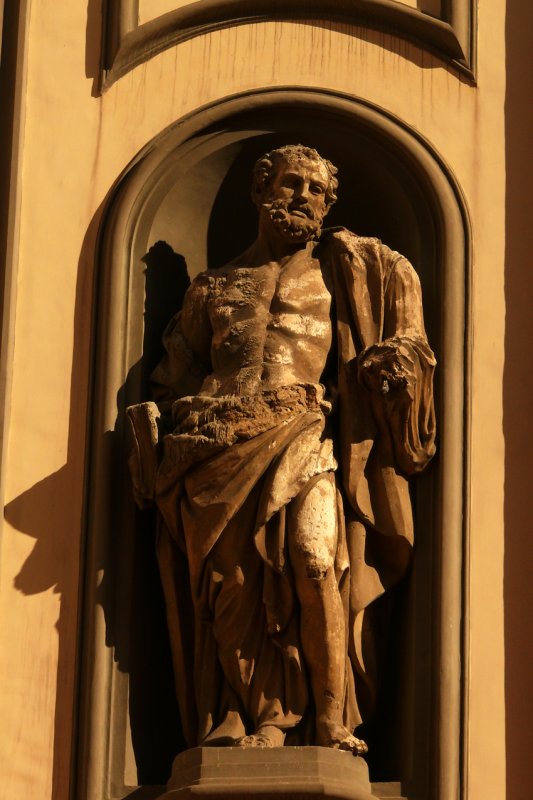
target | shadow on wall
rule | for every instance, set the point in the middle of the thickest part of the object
(94, 44)
(132, 598)
(52, 512)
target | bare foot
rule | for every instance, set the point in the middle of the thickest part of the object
(337, 736)
(265, 736)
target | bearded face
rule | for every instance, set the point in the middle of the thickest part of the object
(299, 224)
(295, 204)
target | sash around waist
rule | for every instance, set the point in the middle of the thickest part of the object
(230, 418)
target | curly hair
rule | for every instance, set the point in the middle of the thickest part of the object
(266, 167)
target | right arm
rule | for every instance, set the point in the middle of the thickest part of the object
(181, 371)
(187, 342)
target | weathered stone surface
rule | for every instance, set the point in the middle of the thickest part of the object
(304, 354)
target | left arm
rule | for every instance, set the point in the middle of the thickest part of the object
(398, 371)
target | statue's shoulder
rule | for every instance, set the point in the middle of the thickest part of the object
(206, 276)
(341, 241)
(205, 281)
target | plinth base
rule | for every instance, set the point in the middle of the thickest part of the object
(296, 773)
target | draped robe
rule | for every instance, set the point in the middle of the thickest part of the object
(228, 489)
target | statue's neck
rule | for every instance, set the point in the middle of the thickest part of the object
(271, 245)
(263, 252)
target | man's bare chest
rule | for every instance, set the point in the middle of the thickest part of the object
(265, 294)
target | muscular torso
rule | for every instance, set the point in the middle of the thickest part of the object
(270, 325)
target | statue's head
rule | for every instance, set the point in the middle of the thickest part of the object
(294, 188)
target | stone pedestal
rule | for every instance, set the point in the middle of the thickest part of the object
(297, 773)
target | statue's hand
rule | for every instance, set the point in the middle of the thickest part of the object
(383, 369)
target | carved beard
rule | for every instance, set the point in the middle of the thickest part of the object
(296, 228)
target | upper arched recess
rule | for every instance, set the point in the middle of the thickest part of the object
(134, 33)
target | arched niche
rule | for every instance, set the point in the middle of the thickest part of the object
(190, 188)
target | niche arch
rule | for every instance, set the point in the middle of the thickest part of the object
(189, 189)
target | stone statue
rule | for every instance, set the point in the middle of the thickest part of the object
(293, 403)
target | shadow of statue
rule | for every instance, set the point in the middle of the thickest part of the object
(132, 599)
(54, 512)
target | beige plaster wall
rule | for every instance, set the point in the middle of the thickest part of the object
(75, 146)
(150, 9)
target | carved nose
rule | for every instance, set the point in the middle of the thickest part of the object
(301, 195)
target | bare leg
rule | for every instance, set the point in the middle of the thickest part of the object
(312, 546)
(241, 638)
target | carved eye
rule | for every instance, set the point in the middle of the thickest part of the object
(290, 181)
(317, 188)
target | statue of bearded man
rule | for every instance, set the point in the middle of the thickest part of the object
(294, 402)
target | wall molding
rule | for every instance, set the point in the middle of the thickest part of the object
(128, 44)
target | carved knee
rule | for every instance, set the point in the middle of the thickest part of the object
(313, 531)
